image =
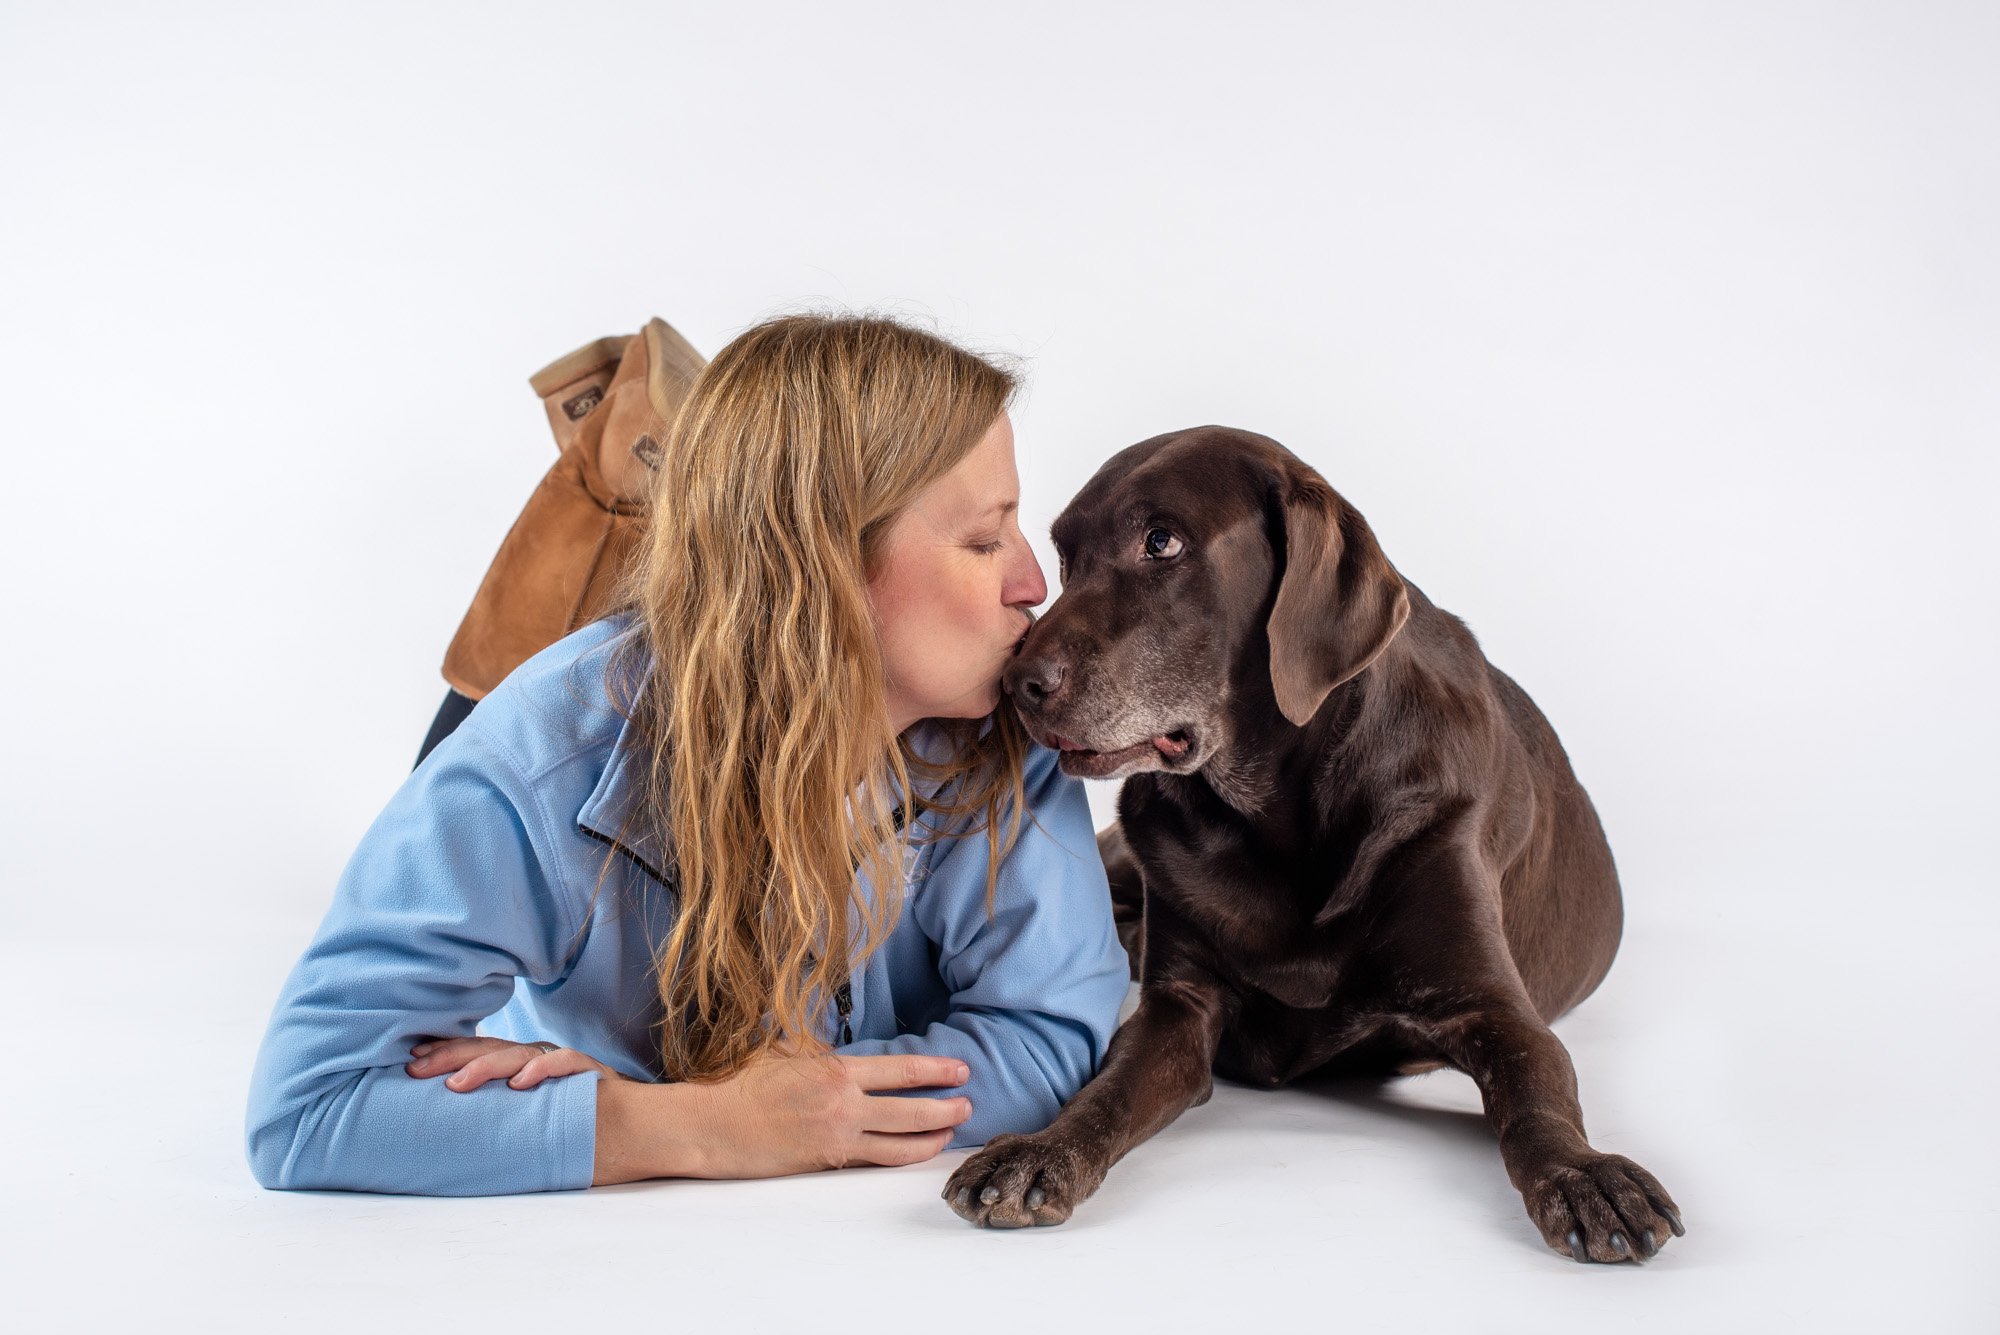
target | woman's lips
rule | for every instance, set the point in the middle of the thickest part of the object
(1025, 631)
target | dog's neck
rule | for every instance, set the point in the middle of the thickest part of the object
(1266, 773)
(1244, 777)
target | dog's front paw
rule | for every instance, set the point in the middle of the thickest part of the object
(1602, 1207)
(1020, 1180)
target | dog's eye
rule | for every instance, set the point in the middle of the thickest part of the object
(1161, 544)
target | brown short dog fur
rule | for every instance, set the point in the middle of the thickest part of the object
(1359, 845)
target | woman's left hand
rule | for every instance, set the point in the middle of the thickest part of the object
(468, 1063)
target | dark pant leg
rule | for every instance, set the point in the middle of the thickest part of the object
(449, 716)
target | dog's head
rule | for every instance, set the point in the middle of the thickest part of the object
(1199, 567)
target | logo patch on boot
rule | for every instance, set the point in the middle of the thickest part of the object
(648, 451)
(575, 408)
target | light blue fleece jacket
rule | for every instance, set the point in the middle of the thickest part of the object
(468, 908)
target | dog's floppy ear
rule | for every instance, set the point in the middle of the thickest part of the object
(1339, 603)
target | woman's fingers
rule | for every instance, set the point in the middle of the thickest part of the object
(440, 1056)
(891, 1150)
(468, 1063)
(502, 1064)
(547, 1065)
(904, 1071)
(904, 1116)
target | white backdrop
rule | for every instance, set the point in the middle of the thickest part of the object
(1661, 343)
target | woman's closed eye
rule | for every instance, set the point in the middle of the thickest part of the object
(989, 548)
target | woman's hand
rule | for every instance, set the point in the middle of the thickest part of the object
(468, 1063)
(798, 1114)
(782, 1113)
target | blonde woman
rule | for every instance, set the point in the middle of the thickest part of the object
(756, 875)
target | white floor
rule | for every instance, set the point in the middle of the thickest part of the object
(1657, 341)
(1835, 1166)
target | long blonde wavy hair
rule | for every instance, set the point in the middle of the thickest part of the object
(757, 686)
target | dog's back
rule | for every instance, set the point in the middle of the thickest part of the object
(1560, 903)
(1560, 907)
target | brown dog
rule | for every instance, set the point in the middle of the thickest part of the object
(1361, 846)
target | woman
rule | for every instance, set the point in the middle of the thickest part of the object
(755, 875)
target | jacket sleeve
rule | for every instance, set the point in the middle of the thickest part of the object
(448, 898)
(1035, 988)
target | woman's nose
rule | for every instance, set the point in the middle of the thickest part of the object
(1027, 587)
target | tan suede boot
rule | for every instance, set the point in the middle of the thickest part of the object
(608, 403)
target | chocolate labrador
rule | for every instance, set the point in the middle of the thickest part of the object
(1359, 844)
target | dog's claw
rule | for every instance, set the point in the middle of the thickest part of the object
(1035, 1198)
(1614, 1210)
(989, 1195)
(1673, 1219)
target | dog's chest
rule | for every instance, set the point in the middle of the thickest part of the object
(1249, 909)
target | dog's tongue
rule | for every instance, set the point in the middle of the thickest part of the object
(1171, 748)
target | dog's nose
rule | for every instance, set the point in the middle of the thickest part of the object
(1034, 680)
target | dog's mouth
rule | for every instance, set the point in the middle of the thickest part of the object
(1087, 762)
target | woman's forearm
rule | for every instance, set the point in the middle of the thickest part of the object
(648, 1130)
(377, 1129)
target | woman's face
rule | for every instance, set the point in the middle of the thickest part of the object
(954, 587)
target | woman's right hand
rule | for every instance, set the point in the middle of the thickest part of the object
(789, 1113)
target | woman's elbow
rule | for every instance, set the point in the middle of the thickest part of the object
(285, 1140)
(269, 1146)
